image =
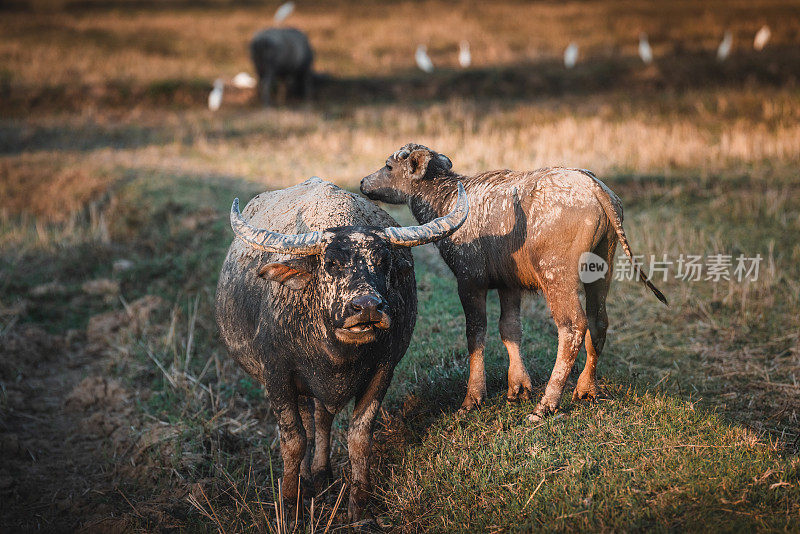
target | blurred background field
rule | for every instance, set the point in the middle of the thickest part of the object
(118, 404)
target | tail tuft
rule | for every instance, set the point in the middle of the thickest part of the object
(659, 295)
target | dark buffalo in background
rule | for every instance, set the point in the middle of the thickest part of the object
(282, 54)
(318, 304)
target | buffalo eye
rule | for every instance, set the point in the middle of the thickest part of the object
(333, 265)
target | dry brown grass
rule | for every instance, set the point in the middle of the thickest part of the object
(122, 41)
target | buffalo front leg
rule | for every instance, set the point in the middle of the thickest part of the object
(321, 472)
(359, 443)
(473, 300)
(519, 382)
(571, 322)
(293, 448)
(306, 408)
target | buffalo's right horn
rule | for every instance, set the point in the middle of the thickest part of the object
(260, 238)
(412, 236)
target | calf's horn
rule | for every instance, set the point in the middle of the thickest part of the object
(260, 238)
(412, 236)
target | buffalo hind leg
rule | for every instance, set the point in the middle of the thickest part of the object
(519, 382)
(571, 322)
(321, 472)
(264, 87)
(473, 300)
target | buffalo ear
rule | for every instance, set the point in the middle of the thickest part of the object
(445, 161)
(418, 163)
(293, 273)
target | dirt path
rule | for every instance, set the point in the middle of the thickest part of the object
(63, 429)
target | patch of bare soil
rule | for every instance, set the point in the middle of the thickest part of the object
(65, 426)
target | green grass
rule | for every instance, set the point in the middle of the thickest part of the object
(640, 459)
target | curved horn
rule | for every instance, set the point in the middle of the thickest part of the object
(412, 236)
(263, 239)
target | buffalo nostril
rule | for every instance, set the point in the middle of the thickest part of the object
(366, 302)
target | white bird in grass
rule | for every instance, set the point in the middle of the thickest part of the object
(571, 55)
(464, 57)
(215, 96)
(423, 61)
(283, 11)
(244, 81)
(724, 49)
(645, 52)
(762, 37)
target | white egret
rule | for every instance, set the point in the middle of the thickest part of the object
(244, 81)
(283, 11)
(724, 49)
(645, 51)
(215, 96)
(464, 57)
(423, 61)
(762, 37)
(571, 55)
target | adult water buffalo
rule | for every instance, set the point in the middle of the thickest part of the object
(317, 300)
(282, 54)
(525, 231)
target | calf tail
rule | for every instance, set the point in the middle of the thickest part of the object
(602, 195)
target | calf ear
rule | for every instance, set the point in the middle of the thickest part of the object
(293, 273)
(418, 163)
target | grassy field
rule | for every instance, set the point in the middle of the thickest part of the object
(119, 408)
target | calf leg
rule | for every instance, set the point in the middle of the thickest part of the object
(473, 300)
(359, 442)
(519, 383)
(571, 322)
(321, 472)
(597, 319)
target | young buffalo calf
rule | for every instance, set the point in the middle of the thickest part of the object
(525, 231)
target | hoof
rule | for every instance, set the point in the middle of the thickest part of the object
(535, 418)
(520, 393)
(468, 405)
(589, 396)
(541, 411)
(366, 525)
(321, 480)
(585, 390)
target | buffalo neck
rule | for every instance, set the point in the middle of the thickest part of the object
(434, 197)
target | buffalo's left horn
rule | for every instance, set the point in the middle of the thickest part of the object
(412, 236)
(260, 238)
